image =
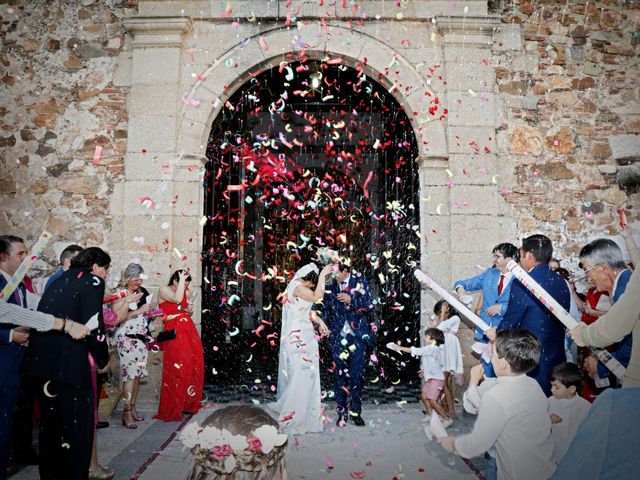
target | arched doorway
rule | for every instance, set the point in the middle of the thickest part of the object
(306, 155)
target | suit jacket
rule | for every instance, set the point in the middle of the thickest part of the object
(357, 313)
(623, 319)
(55, 355)
(621, 350)
(488, 282)
(11, 354)
(525, 311)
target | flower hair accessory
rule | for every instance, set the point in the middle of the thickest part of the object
(224, 447)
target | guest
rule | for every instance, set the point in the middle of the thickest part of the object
(448, 321)
(67, 254)
(567, 408)
(42, 322)
(621, 320)
(604, 265)
(513, 416)
(13, 340)
(131, 335)
(61, 368)
(495, 284)
(236, 443)
(525, 311)
(183, 358)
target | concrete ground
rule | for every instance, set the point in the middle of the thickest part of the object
(391, 445)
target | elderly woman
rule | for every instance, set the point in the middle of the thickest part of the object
(131, 340)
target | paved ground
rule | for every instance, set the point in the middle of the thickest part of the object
(393, 444)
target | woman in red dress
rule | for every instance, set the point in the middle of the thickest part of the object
(183, 360)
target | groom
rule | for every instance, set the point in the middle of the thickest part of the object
(347, 305)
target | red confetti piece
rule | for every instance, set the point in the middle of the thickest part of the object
(96, 154)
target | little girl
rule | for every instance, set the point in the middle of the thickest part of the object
(432, 363)
(240, 442)
(448, 321)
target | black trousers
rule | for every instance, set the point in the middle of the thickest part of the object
(66, 430)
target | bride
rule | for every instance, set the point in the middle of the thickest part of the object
(298, 400)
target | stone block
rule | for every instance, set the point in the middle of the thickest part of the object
(563, 98)
(469, 69)
(477, 199)
(526, 62)
(152, 133)
(193, 137)
(471, 139)
(467, 109)
(625, 147)
(483, 169)
(561, 140)
(155, 65)
(508, 37)
(152, 99)
(436, 229)
(162, 198)
(433, 133)
(526, 140)
(480, 233)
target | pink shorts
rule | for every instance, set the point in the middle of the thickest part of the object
(432, 388)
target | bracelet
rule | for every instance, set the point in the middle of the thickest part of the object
(68, 324)
(64, 325)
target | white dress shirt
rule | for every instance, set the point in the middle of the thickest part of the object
(572, 411)
(513, 417)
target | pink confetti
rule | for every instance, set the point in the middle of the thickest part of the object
(330, 463)
(96, 154)
(263, 44)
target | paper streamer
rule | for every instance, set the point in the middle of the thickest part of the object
(25, 266)
(451, 300)
(561, 314)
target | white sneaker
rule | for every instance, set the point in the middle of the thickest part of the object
(447, 423)
(428, 432)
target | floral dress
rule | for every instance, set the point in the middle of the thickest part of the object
(131, 344)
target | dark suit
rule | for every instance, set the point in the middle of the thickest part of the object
(349, 351)
(61, 364)
(525, 311)
(11, 359)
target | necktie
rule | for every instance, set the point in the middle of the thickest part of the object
(501, 284)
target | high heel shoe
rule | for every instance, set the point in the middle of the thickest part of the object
(136, 417)
(131, 424)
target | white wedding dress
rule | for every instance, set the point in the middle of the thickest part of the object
(298, 398)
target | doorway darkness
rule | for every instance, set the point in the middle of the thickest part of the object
(306, 155)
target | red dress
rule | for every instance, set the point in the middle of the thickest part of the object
(182, 365)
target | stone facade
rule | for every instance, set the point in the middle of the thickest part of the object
(107, 107)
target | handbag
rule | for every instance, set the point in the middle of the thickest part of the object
(165, 335)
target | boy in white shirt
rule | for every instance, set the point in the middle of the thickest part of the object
(513, 416)
(567, 408)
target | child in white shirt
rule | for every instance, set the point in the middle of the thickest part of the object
(567, 408)
(432, 363)
(513, 417)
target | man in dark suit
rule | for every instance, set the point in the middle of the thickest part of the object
(61, 370)
(13, 341)
(347, 309)
(525, 311)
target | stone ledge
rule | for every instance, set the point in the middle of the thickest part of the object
(150, 32)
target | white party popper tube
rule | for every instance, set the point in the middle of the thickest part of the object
(451, 300)
(25, 266)
(561, 314)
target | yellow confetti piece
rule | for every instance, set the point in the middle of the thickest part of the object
(177, 252)
(177, 365)
(382, 278)
(267, 308)
(387, 254)
(375, 380)
(66, 445)
(46, 390)
(439, 208)
(343, 238)
(203, 221)
(249, 359)
(494, 179)
(449, 172)
(472, 93)
(396, 382)
(235, 332)
(376, 145)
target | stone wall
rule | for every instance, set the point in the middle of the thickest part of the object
(570, 116)
(61, 99)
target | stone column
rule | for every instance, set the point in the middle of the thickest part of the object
(160, 213)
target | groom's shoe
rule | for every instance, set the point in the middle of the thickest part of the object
(357, 420)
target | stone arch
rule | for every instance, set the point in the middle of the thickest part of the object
(268, 49)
